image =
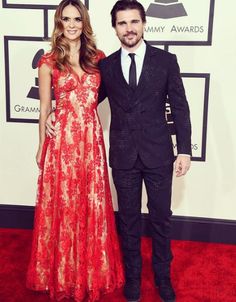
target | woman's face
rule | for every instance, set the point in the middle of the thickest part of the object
(72, 23)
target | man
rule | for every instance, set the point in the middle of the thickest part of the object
(138, 79)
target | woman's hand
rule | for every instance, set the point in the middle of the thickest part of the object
(50, 129)
(38, 156)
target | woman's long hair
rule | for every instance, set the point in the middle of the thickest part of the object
(61, 47)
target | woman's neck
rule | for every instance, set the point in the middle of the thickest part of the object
(75, 47)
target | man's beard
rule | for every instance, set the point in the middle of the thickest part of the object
(131, 44)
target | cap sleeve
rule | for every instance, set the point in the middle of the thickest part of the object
(100, 55)
(46, 59)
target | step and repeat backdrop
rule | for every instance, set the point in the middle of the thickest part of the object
(202, 35)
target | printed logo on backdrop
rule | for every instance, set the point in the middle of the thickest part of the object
(179, 22)
(197, 90)
(184, 22)
(22, 91)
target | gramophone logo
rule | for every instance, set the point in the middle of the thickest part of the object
(34, 90)
(179, 22)
(166, 9)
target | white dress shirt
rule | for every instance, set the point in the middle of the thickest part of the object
(126, 61)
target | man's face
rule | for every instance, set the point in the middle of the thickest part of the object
(129, 28)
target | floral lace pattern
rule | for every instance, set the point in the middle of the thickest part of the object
(75, 249)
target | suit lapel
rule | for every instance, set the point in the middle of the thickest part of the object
(146, 74)
(119, 81)
(117, 70)
(147, 69)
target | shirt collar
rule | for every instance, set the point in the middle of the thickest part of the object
(140, 51)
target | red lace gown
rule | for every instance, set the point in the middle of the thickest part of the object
(75, 249)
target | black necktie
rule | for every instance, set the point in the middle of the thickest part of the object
(132, 72)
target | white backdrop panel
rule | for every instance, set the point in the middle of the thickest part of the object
(209, 188)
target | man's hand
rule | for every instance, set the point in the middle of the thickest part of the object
(182, 165)
(50, 129)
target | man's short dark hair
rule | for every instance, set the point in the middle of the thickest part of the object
(124, 5)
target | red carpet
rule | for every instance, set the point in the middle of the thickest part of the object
(202, 272)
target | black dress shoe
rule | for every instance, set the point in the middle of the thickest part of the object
(132, 290)
(166, 290)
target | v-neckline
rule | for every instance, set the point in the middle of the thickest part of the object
(80, 78)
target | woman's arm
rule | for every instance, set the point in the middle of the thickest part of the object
(45, 105)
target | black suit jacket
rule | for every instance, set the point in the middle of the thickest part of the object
(138, 123)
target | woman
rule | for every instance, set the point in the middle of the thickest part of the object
(75, 251)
